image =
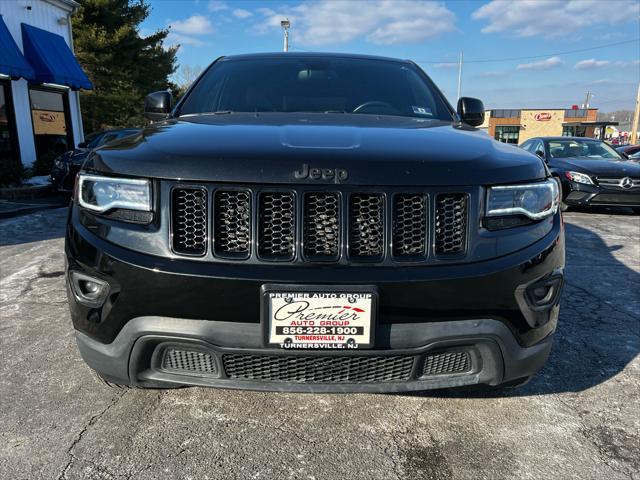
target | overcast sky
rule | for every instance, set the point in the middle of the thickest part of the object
(433, 34)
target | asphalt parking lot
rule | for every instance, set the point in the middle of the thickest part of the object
(579, 418)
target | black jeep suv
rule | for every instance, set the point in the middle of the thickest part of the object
(301, 222)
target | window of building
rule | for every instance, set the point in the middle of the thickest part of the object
(505, 113)
(574, 131)
(507, 134)
(575, 113)
(9, 152)
(51, 125)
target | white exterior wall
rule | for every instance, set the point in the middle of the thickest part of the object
(43, 14)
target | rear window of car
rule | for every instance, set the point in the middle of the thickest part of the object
(322, 85)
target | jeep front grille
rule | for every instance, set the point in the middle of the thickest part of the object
(232, 223)
(409, 225)
(330, 224)
(276, 227)
(366, 229)
(321, 226)
(189, 216)
(450, 223)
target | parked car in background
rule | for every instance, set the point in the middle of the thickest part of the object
(67, 165)
(632, 152)
(591, 172)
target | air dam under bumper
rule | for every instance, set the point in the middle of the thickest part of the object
(166, 352)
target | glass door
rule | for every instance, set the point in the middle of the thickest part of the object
(51, 126)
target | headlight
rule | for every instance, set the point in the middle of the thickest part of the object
(100, 194)
(578, 177)
(534, 200)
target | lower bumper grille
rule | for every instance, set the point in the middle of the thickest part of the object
(446, 363)
(617, 198)
(188, 362)
(317, 369)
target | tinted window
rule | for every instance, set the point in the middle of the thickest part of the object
(581, 148)
(314, 84)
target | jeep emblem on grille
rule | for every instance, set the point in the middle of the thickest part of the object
(336, 174)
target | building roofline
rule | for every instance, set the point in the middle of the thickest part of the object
(69, 5)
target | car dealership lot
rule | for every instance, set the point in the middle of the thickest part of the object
(579, 418)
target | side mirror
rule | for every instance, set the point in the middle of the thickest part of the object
(157, 105)
(471, 111)
(540, 154)
(82, 145)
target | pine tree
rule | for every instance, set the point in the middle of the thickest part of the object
(123, 65)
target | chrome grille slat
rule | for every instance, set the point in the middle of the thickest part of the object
(616, 183)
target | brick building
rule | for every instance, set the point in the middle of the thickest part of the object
(517, 125)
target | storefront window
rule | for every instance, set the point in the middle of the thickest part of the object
(507, 134)
(10, 166)
(51, 126)
(574, 131)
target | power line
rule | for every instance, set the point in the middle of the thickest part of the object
(529, 57)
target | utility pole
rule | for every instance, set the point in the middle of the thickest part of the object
(586, 102)
(460, 76)
(286, 24)
(633, 139)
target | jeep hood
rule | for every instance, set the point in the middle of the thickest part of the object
(269, 148)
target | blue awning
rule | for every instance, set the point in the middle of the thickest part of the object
(52, 59)
(12, 62)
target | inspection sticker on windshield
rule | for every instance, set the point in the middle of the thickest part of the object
(325, 319)
(421, 110)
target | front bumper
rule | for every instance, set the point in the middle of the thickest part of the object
(426, 314)
(136, 357)
(581, 195)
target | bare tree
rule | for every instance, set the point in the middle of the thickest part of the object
(186, 75)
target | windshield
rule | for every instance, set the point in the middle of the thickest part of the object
(316, 84)
(581, 148)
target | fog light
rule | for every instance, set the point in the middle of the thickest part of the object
(544, 294)
(89, 291)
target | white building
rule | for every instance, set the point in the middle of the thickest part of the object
(39, 80)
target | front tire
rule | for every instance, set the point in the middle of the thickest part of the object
(104, 381)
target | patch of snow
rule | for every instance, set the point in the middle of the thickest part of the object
(38, 181)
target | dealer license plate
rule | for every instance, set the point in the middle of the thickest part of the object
(319, 317)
